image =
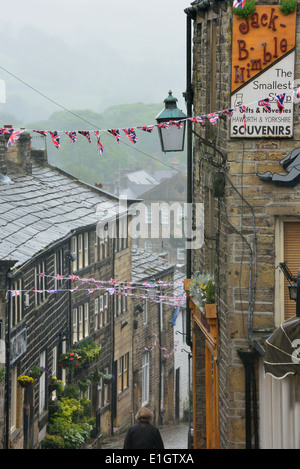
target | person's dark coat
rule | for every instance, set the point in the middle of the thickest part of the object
(143, 435)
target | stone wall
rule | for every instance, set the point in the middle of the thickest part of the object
(240, 225)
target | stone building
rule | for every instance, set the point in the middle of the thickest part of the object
(153, 336)
(243, 175)
(56, 266)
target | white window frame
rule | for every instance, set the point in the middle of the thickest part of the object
(14, 399)
(145, 378)
(80, 322)
(75, 325)
(86, 329)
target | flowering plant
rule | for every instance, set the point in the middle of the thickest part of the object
(70, 360)
(202, 287)
(36, 371)
(25, 380)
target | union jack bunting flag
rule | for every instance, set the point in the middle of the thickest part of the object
(10, 130)
(163, 125)
(239, 3)
(115, 133)
(86, 134)
(265, 103)
(90, 290)
(280, 100)
(55, 138)
(147, 128)
(99, 144)
(14, 137)
(243, 109)
(213, 117)
(71, 135)
(229, 112)
(177, 123)
(296, 93)
(129, 131)
(15, 293)
(58, 277)
(197, 119)
(42, 132)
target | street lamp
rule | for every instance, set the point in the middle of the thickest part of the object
(171, 126)
(294, 291)
(294, 287)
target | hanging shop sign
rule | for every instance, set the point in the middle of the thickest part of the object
(263, 62)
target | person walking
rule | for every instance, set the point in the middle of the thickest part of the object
(143, 435)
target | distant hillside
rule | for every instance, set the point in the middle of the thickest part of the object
(81, 159)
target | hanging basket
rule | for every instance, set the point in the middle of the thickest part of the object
(107, 379)
(25, 381)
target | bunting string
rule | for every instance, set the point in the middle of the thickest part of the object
(151, 291)
(131, 134)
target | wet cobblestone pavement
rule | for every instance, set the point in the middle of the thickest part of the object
(174, 437)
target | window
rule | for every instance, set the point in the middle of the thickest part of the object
(80, 252)
(145, 312)
(145, 378)
(181, 254)
(101, 244)
(96, 313)
(58, 268)
(123, 373)
(180, 215)
(104, 391)
(148, 245)
(164, 214)
(106, 315)
(292, 259)
(86, 249)
(40, 284)
(42, 382)
(123, 233)
(16, 304)
(148, 214)
(86, 320)
(81, 322)
(75, 326)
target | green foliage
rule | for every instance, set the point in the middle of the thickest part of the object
(248, 10)
(2, 374)
(288, 6)
(53, 442)
(71, 391)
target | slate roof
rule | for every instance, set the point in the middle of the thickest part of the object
(147, 266)
(38, 210)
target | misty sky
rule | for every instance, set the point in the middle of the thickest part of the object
(91, 54)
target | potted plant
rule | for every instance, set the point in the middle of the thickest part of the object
(84, 384)
(36, 371)
(202, 288)
(25, 381)
(54, 384)
(107, 379)
(71, 360)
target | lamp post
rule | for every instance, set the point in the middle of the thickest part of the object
(171, 127)
(294, 292)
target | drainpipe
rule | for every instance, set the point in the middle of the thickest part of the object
(113, 369)
(188, 95)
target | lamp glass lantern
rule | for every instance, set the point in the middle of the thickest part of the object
(171, 136)
(293, 291)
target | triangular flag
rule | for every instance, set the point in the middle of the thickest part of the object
(99, 144)
(229, 112)
(243, 109)
(86, 134)
(239, 3)
(265, 103)
(115, 133)
(280, 100)
(147, 128)
(197, 119)
(129, 131)
(213, 117)
(42, 132)
(14, 137)
(71, 135)
(55, 138)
